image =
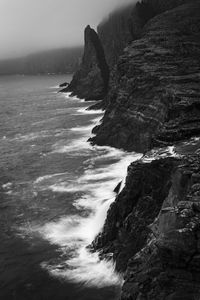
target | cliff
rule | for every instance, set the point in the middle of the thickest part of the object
(167, 266)
(91, 80)
(155, 85)
(101, 52)
(125, 25)
(152, 230)
(103, 49)
(152, 105)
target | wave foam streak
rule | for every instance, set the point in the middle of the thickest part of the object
(74, 233)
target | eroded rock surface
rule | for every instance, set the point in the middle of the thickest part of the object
(91, 80)
(154, 92)
(152, 230)
(168, 267)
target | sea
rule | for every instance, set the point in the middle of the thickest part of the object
(55, 191)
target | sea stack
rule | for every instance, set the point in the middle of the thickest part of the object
(90, 82)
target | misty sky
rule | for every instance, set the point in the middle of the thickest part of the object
(32, 25)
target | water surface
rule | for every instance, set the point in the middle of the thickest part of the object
(55, 192)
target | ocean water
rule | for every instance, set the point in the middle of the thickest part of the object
(55, 190)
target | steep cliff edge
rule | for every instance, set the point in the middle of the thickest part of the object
(102, 49)
(154, 92)
(125, 25)
(91, 80)
(152, 230)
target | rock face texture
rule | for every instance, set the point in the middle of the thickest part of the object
(152, 230)
(115, 33)
(91, 80)
(152, 105)
(153, 227)
(167, 267)
(102, 49)
(124, 25)
(154, 92)
(125, 231)
(101, 53)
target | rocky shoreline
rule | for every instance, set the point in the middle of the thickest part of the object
(152, 105)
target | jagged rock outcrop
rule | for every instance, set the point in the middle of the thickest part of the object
(126, 228)
(152, 230)
(91, 80)
(153, 227)
(168, 267)
(154, 92)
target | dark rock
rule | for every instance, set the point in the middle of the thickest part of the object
(126, 228)
(91, 80)
(64, 84)
(117, 188)
(152, 230)
(154, 90)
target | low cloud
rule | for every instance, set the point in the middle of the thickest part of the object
(33, 25)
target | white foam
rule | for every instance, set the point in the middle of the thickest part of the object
(78, 147)
(94, 272)
(46, 177)
(89, 112)
(7, 185)
(31, 136)
(74, 148)
(73, 233)
(76, 232)
(169, 151)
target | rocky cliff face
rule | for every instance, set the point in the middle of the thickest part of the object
(152, 230)
(167, 266)
(126, 228)
(152, 105)
(126, 24)
(153, 97)
(91, 80)
(101, 52)
(115, 33)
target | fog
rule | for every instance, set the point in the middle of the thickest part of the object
(32, 25)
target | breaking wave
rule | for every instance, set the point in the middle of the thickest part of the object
(95, 187)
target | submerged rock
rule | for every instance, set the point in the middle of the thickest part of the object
(64, 84)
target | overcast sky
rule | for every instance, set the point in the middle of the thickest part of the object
(31, 25)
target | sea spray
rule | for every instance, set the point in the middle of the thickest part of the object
(73, 233)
